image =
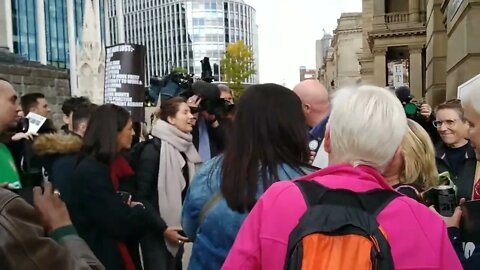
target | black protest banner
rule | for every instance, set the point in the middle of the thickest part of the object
(124, 78)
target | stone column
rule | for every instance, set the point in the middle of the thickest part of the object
(6, 28)
(107, 7)
(436, 54)
(41, 36)
(72, 47)
(96, 6)
(414, 10)
(416, 83)
(379, 12)
(380, 67)
(120, 22)
(378, 7)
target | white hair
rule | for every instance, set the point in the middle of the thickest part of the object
(367, 125)
(472, 99)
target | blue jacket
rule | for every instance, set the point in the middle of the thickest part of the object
(215, 236)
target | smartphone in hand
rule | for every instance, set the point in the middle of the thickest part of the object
(182, 233)
(125, 196)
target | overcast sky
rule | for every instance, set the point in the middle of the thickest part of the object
(287, 33)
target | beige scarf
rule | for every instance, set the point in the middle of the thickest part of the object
(171, 181)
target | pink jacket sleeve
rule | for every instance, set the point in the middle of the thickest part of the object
(245, 253)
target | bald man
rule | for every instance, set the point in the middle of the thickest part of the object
(9, 107)
(316, 107)
(314, 97)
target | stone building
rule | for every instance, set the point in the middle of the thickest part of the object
(453, 47)
(393, 46)
(341, 65)
(429, 45)
(90, 58)
(28, 77)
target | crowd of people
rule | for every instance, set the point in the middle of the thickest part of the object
(289, 179)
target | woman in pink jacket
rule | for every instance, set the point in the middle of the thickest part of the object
(366, 127)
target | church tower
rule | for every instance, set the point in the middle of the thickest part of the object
(91, 56)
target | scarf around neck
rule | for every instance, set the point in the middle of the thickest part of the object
(171, 181)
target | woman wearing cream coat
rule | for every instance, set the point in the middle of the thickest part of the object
(165, 170)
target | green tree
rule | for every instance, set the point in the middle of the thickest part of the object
(237, 65)
(179, 70)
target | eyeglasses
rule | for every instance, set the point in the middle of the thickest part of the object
(449, 123)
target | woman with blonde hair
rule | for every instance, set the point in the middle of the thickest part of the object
(417, 170)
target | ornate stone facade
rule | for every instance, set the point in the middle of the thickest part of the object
(394, 33)
(91, 57)
(341, 66)
(453, 50)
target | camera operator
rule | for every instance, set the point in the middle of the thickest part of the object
(213, 105)
(418, 111)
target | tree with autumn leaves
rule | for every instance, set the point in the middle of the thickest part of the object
(237, 65)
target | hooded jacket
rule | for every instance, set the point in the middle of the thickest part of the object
(59, 154)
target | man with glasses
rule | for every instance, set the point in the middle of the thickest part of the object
(455, 153)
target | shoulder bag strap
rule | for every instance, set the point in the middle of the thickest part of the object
(206, 208)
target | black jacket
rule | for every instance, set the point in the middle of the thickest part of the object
(100, 216)
(59, 154)
(473, 262)
(465, 179)
(154, 251)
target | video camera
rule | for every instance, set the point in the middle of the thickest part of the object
(411, 106)
(172, 85)
(183, 85)
(211, 101)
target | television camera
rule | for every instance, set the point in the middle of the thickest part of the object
(179, 83)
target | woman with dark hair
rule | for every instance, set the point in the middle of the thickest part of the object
(107, 221)
(268, 143)
(166, 168)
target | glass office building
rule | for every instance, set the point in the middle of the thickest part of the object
(180, 33)
(25, 41)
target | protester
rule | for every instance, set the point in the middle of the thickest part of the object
(24, 244)
(59, 151)
(416, 171)
(166, 168)
(111, 224)
(455, 154)
(471, 107)
(69, 106)
(316, 107)
(360, 148)
(268, 143)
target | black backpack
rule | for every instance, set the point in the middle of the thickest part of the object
(133, 156)
(339, 230)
